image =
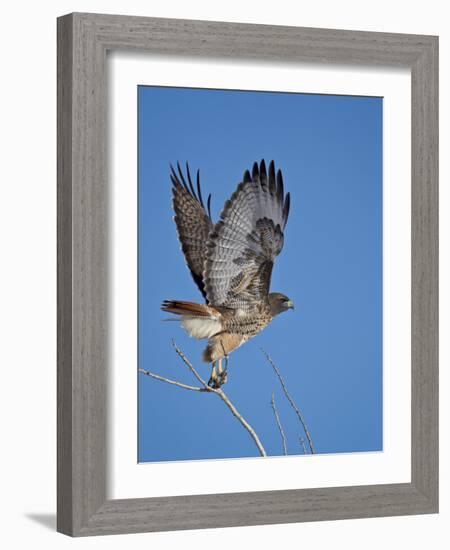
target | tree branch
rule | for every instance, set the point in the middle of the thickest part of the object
(241, 419)
(291, 401)
(169, 381)
(302, 443)
(280, 427)
(190, 367)
(207, 389)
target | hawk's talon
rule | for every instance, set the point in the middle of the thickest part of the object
(214, 383)
(218, 376)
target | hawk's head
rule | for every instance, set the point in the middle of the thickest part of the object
(279, 302)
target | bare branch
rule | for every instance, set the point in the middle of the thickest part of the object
(302, 443)
(207, 389)
(291, 401)
(242, 420)
(280, 427)
(190, 367)
(168, 381)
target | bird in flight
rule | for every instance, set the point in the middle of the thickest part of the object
(231, 261)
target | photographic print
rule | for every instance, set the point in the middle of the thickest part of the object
(260, 274)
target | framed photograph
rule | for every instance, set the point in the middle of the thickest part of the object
(247, 274)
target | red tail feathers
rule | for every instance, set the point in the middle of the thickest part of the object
(186, 308)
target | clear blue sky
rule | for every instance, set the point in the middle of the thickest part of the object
(329, 348)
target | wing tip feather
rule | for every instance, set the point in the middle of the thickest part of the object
(286, 207)
(179, 183)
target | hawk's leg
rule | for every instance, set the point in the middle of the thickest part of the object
(226, 364)
(223, 373)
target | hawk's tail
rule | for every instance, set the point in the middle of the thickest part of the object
(186, 308)
(198, 320)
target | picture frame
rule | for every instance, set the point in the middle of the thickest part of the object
(83, 40)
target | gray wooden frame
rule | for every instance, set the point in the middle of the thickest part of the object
(83, 40)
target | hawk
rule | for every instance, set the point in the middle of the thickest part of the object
(231, 261)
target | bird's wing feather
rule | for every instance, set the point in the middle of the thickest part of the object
(245, 242)
(193, 221)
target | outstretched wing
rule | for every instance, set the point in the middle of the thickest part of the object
(193, 221)
(245, 242)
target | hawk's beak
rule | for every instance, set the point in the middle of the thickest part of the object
(290, 304)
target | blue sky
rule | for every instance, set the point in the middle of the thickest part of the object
(329, 348)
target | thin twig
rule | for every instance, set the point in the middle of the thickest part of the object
(205, 388)
(291, 401)
(280, 427)
(169, 381)
(302, 443)
(190, 367)
(242, 420)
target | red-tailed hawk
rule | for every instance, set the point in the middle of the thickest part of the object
(230, 261)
